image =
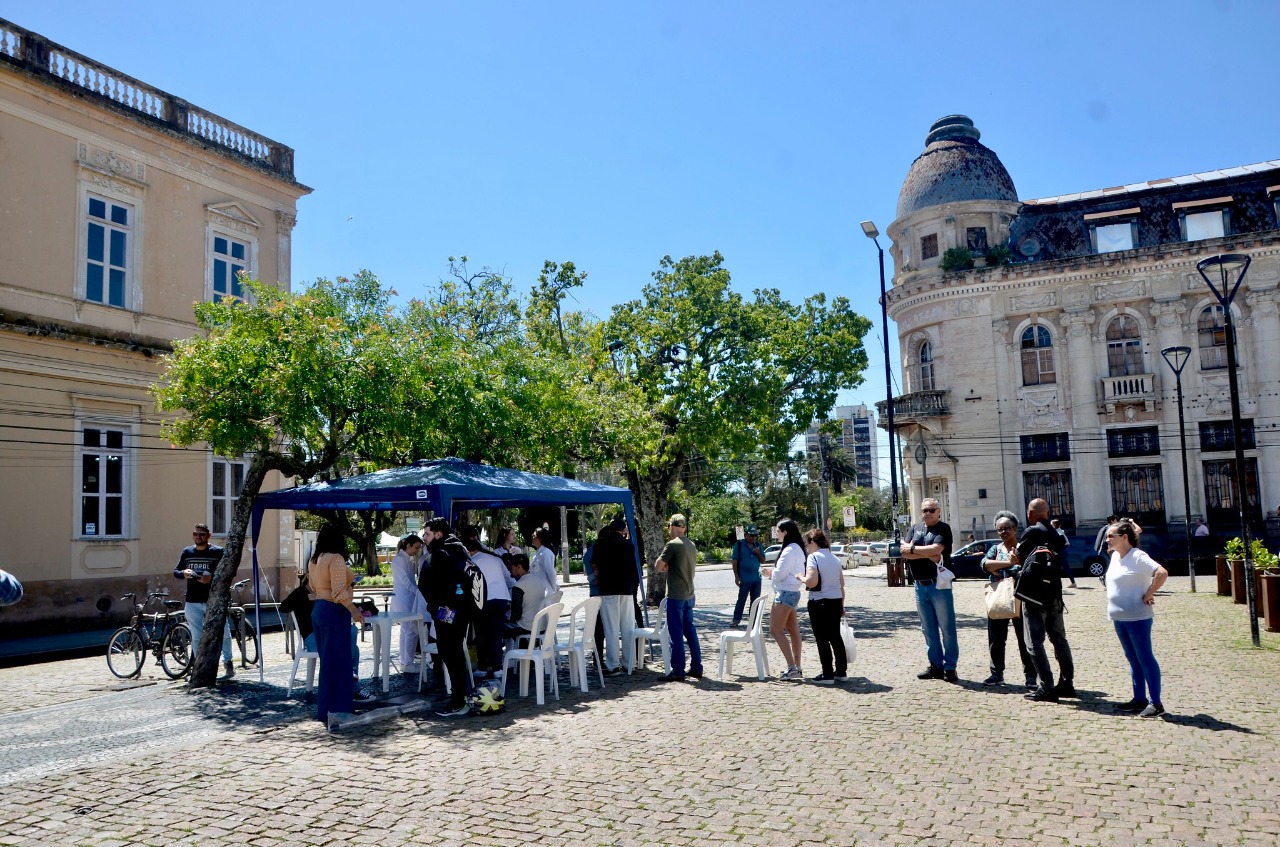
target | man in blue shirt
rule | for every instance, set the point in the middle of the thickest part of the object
(747, 557)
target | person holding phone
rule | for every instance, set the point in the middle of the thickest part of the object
(788, 571)
(195, 566)
(824, 577)
(747, 557)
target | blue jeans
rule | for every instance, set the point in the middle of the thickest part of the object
(680, 625)
(309, 643)
(747, 589)
(1135, 638)
(335, 688)
(938, 622)
(195, 622)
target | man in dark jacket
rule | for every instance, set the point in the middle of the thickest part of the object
(444, 584)
(1040, 588)
(614, 560)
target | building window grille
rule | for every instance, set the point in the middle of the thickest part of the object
(1138, 492)
(926, 366)
(1218, 436)
(1124, 347)
(109, 231)
(1049, 447)
(102, 482)
(1037, 357)
(1134, 441)
(1221, 495)
(1211, 328)
(1055, 487)
(929, 247)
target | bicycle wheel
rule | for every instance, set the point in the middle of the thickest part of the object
(175, 652)
(125, 652)
(249, 644)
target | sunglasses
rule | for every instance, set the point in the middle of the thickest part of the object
(199, 535)
(928, 511)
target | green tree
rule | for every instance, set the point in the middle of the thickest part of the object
(721, 374)
(304, 383)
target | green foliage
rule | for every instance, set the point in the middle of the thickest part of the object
(957, 259)
(999, 255)
(1235, 548)
(1263, 559)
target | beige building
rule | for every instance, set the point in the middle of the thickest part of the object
(122, 206)
(1032, 363)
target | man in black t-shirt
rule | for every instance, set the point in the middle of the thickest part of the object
(195, 565)
(923, 547)
(1040, 588)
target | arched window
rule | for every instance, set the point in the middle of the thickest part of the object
(1037, 357)
(1124, 347)
(926, 366)
(1212, 329)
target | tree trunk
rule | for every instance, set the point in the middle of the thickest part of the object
(651, 512)
(208, 652)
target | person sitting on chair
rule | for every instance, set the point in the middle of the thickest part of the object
(526, 598)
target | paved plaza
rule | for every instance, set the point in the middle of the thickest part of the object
(885, 759)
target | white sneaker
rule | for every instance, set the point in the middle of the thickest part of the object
(414, 668)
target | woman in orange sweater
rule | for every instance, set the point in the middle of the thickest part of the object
(332, 617)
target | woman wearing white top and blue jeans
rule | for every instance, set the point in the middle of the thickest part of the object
(824, 578)
(1133, 578)
(784, 624)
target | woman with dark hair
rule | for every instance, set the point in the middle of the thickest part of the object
(824, 577)
(506, 545)
(1133, 578)
(784, 623)
(332, 617)
(999, 568)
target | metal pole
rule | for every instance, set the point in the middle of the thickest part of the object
(1186, 483)
(888, 388)
(1241, 496)
(564, 542)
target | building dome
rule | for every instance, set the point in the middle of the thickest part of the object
(954, 167)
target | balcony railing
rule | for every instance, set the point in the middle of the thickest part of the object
(62, 67)
(914, 406)
(1134, 388)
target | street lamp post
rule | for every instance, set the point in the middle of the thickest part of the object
(1177, 357)
(869, 229)
(1223, 274)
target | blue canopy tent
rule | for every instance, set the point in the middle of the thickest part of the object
(442, 487)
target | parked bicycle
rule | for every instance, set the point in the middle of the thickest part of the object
(165, 634)
(242, 630)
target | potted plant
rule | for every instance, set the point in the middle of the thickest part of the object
(999, 255)
(1235, 556)
(957, 259)
(1224, 570)
(1267, 568)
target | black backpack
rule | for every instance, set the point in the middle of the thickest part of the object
(1040, 579)
(474, 587)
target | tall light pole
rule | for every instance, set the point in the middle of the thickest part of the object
(1223, 274)
(869, 229)
(1177, 357)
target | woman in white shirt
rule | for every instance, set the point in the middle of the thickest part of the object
(406, 599)
(824, 577)
(1133, 578)
(784, 623)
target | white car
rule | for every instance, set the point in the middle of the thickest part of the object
(771, 553)
(841, 552)
(879, 552)
(859, 554)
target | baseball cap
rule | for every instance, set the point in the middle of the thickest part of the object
(751, 529)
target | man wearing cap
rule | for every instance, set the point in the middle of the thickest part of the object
(614, 561)
(748, 556)
(678, 561)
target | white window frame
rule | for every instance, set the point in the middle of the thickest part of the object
(234, 223)
(128, 477)
(123, 191)
(1189, 219)
(224, 466)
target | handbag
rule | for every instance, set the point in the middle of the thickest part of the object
(850, 644)
(1001, 602)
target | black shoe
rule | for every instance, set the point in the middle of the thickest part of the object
(994, 679)
(931, 672)
(1152, 710)
(823, 679)
(1041, 695)
(841, 677)
(1134, 705)
(1031, 683)
(671, 678)
(950, 676)
(696, 674)
(362, 697)
(1064, 688)
(455, 711)
(612, 671)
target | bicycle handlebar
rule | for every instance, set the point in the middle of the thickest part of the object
(242, 583)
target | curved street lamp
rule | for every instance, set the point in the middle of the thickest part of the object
(1223, 274)
(1177, 358)
(870, 231)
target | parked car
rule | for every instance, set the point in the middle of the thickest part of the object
(771, 553)
(966, 561)
(841, 552)
(859, 554)
(879, 552)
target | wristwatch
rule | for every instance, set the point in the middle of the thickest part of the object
(913, 548)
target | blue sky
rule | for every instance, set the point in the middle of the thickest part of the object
(611, 134)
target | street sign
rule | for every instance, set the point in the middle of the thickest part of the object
(850, 517)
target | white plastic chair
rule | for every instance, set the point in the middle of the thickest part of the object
(753, 634)
(540, 655)
(299, 653)
(429, 652)
(656, 633)
(582, 641)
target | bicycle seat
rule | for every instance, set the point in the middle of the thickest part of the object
(173, 604)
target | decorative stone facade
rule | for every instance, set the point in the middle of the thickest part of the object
(1042, 375)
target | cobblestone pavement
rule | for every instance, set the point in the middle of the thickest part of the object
(884, 759)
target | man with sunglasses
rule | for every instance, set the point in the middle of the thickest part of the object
(925, 545)
(195, 566)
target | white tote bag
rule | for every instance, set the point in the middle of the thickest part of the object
(850, 643)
